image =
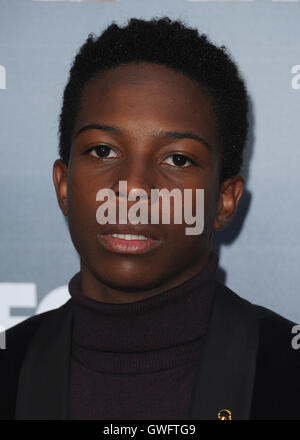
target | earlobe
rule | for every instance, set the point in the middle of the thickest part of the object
(230, 195)
(60, 172)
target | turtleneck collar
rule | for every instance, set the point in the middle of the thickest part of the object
(172, 321)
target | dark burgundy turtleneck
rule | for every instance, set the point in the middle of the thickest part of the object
(137, 361)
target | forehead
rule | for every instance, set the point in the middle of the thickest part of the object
(146, 97)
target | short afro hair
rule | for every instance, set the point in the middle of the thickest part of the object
(179, 47)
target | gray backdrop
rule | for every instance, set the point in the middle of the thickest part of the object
(259, 252)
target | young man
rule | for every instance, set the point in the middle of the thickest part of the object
(148, 332)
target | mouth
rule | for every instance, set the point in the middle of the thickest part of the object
(129, 241)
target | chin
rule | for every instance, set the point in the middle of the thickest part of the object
(129, 280)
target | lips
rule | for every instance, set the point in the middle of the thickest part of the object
(126, 239)
(139, 229)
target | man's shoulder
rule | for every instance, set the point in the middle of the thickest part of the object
(17, 339)
(268, 319)
(275, 331)
(27, 327)
(21, 334)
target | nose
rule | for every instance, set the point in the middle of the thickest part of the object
(134, 184)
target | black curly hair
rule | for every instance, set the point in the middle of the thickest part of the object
(177, 46)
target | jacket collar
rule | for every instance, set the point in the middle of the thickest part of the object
(224, 377)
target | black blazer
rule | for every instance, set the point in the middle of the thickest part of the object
(248, 367)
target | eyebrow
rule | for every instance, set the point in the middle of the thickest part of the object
(160, 134)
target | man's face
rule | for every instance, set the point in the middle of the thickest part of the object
(142, 101)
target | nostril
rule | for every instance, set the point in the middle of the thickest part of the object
(131, 192)
(138, 192)
(120, 194)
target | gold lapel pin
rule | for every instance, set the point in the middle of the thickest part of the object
(224, 414)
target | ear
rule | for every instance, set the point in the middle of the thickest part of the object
(230, 194)
(60, 173)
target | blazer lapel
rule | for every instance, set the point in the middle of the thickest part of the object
(226, 372)
(44, 377)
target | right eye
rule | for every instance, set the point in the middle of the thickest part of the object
(102, 152)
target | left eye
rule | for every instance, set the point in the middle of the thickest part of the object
(103, 151)
(178, 160)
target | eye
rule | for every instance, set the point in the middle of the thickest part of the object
(178, 160)
(102, 151)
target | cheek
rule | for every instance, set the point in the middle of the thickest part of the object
(190, 236)
(204, 210)
(82, 206)
(204, 203)
(211, 208)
